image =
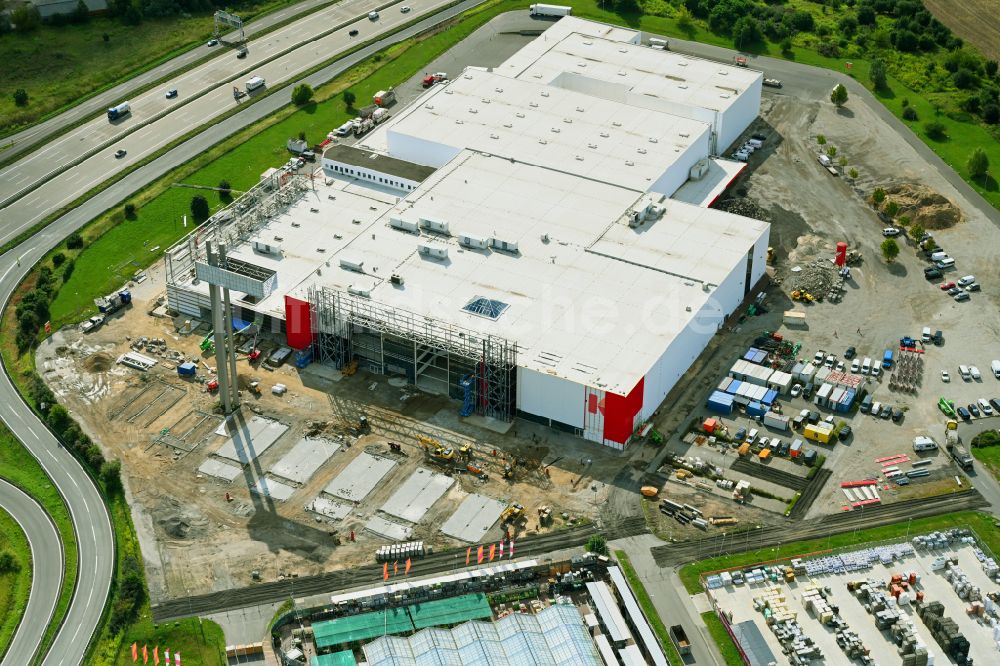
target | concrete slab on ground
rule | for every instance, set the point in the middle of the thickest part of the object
(388, 529)
(417, 495)
(329, 508)
(219, 469)
(248, 440)
(273, 489)
(307, 456)
(360, 477)
(473, 518)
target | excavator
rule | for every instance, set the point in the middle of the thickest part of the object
(805, 296)
(437, 453)
(512, 514)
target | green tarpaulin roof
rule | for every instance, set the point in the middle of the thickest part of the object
(450, 611)
(361, 627)
(343, 658)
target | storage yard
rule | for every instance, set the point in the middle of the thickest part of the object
(930, 600)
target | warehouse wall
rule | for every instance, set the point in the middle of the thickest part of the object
(677, 173)
(738, 117)
(550, 397)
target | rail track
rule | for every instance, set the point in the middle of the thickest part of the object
(874, 516)
(810, 493)
(777, 476)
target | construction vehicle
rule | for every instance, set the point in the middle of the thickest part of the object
(954, 446)
(254, 387)
(466, 451)
(512, 514)
(740, 60)
(948, 408)
(212, 385)
(207, 343)
(395, 448)
(804, 296)
(437, 453)
(544, 516)
(680, 639)
(508, 469)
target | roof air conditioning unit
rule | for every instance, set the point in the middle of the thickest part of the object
(396, 279)
(404, 224)
(365, 292)
(634, 219)
(504, 245)
(432, 251)
(356, 265)
(437, 226)
(266, 248)
(699, 170)
(472, 241)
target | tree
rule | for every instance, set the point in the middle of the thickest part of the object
(909, 113)
(878, 196)
(936, 130)
(991, 113)
(821, 139)
(106, 37)
(917, 232)
(842, 161)
(224, 188)
(130, 211)
(597, 544)
(979, 164)
(199, 208)
(7, 563)
(878, 74)
(58, 419)
(853, 173)
(866, 15)
(964, 79)
(26, 18)
(890, 249)
(111, 476)
(21, 97)
(991, 68)
(746, 31)
(786, 45)
(349, 99)
(839, 95)
(831, 151)
(58, 259)
(302, 94)
(891, 208)
(74, 241)
(684, 20)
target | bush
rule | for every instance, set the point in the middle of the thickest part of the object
(878, 196)
(978, 164)
(199, 208)
(598, 544)
(25, 18)
(8, 564)
(349, 99)
(21, 97)
(68, 271)
(991, 68)
(964, 79)
(853, 173)
(991, 114)
(58, 259)
(909, 113)
(111, 476)
(936, 130)
(986, 438)
(746, 32)
(848, 26)
(839, 95)
(828, 50)
(74, 241)
(878, 74)
(130, 211)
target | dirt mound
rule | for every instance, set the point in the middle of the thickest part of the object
(99, 362)
(924, 206)
(743, 206)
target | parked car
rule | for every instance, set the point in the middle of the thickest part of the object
(974, 409)
(813, 417)
(964, 413)
(405, 9)
(967, 280)
(897, 415)
(752, 436)
(889, 232)
(830, 360)
(973, 287)
(120, 153)
(353, 33)
(945, 286)
(172, 93)
(962, 296)
(932, 273)
(845, 433)
(840, 366)
(741, 434)
(796, 390)
(772, 83)
(212, 42)
(995, 403)
(850, 353)
(741, 156)
(954, 291)
(242, 53)
(855, 366)
(886, 412)
(818, 358)
(372, 16)
(938, 338)
(974, 372)
(985, 408)
(945, 377)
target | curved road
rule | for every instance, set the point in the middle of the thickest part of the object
(91, 522)
(45, 548)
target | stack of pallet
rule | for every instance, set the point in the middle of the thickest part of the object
(814, 599)
(961, 584)
(911, 648)
(944, 631)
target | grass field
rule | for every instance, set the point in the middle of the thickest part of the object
(200, 642)
(60, 66)
(730, 655)
(982, 523)
(648, 609)
(989, 456)
(20, 469)
(14, 585)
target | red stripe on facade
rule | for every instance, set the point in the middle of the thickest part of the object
(298, 323)
(619, 413)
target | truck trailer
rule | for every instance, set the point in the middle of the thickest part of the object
(680, 639)
(550, 10)
(119, 111)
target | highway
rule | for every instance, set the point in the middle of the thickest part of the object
(91, 522)
(74, 163)
(46, 549)
(95, 106)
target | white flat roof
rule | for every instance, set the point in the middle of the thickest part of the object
(705, 190)
(596, 138)
(586, 49)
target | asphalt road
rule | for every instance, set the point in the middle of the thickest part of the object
(96, 105)
(43, 538)
(56, 171)
(91, 522)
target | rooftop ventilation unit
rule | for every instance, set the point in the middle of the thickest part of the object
(504, 245)
(499, 90)
(352, 264)
(473, 241)
(363, 291)
(699, 170)
(544, 93)
(437, 226)
(404, 224)
(432, 251)
(266, 248)
(396, 279)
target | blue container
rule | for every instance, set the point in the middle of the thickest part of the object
(126, 296)
(187, 369)
(734, 387)
(756, 409)
(770, 397)
(719, 402)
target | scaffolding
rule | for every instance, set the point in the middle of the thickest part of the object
(433, 355)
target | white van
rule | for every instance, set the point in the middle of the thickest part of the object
(866, 366)
(995, 367)
(925, 335)
(924, 444)
(963, 370)
(947, 262)
(974, 371)
(254, 82)
(938, 256)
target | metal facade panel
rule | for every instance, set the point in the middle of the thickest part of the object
(554, 398)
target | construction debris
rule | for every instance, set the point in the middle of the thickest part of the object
(744, 206)
(820, 278)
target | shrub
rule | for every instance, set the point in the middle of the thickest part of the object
(828, 50)
(878, 74)
(8, 564)
(74, 241)
(936, 130)
(58, 259)
(302, 94)
(21, 97)
(349, 99)
(130, 211)
(111, 476)
(991, 68)
(839, 95)
(598, 544)
(199, 208)
(978, 164)
(909, 113)
(991, 114)
(853, 173)
(964, 79)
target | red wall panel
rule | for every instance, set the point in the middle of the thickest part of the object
(298, 323)
(619, 413)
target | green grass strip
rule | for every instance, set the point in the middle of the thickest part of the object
(648, 609)
(730, 653)
(15, 584)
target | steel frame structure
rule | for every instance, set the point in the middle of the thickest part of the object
(433, 354)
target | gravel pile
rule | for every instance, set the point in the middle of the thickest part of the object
(819, 277)
(745, 207)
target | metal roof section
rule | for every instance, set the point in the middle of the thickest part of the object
(360, 477)
(376, 161)
(607, 609)
(417, 495)
(637, 619)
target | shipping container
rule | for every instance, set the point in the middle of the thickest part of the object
(776, 421)
(719, 402)
(796, 448)
(187, 369)
(756, 409)
(770, 397)
(794, 318)
(819, 432)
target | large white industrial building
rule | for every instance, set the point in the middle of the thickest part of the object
(533, 240)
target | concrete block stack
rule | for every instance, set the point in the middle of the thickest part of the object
(910, 647)
(945, 631)
(799, 647)
(961, 584)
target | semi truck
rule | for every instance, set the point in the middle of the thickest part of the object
(254, 82)
(120, 111)
(680, 640)
(384, 98)
(549, 10)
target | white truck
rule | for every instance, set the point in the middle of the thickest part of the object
(119, 111)
(254, 82)
(550, 10)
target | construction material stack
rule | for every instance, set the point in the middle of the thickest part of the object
(944, 631)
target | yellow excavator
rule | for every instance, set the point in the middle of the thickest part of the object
(437, 453)
(512, 514)
(805, 296)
